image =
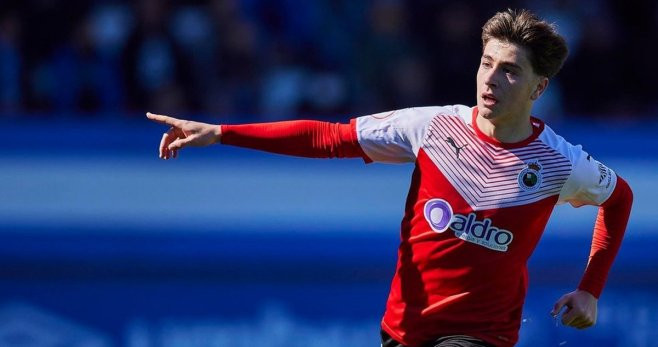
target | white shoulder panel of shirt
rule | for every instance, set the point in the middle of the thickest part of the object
(396, 136)
(590, 182)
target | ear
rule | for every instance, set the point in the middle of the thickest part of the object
(540, 88)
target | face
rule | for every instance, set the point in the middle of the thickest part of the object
(506, 82)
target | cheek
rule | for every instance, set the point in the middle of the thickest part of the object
(527, 93)
(521, 91)
(525, 87)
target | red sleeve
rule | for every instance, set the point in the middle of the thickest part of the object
(302, 138)
(609, 230)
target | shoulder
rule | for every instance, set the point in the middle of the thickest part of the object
(448, 110)
(590, 182)
(410, 118)
(465, 113)
(395, 136)
(423, 112)
(550, 138)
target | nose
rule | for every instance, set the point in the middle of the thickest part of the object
(489, 77)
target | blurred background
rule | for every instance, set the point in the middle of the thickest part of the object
(102, 244)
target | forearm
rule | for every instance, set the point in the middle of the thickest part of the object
(609, 231)
(304, 138)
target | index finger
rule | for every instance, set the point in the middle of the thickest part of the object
(175, 122)
(559, 305)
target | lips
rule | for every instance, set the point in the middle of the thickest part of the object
(489, 99)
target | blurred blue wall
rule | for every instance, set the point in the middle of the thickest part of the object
(103, 244)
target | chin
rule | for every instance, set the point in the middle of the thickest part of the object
(485, 112)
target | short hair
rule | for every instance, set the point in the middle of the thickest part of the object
(548, 50)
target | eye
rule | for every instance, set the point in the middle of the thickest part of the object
(486, 64)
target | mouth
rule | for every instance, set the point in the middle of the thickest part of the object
(488, 99)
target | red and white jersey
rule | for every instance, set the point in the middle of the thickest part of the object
(475, 212)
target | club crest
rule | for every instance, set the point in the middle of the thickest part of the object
(530, 177)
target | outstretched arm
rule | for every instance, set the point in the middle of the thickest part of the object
(609, 231)
(303, 138)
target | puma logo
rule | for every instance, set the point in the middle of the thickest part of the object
(452, 143)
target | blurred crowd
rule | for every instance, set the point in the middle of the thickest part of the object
(260, 60)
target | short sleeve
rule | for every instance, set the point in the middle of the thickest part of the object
(590, 182)
(395, 136)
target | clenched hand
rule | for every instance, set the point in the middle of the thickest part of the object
(581, 309)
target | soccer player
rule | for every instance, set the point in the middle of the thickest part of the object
(485, 182)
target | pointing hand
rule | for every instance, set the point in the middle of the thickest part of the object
(184, 133)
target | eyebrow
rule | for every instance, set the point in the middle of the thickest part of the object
(513, 65)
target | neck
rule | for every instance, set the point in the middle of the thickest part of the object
(511, 131)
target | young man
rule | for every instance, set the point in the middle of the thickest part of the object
(486, 181)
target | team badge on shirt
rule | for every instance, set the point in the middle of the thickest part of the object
(530, 177)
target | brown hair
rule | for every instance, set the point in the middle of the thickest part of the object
(548, 50)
